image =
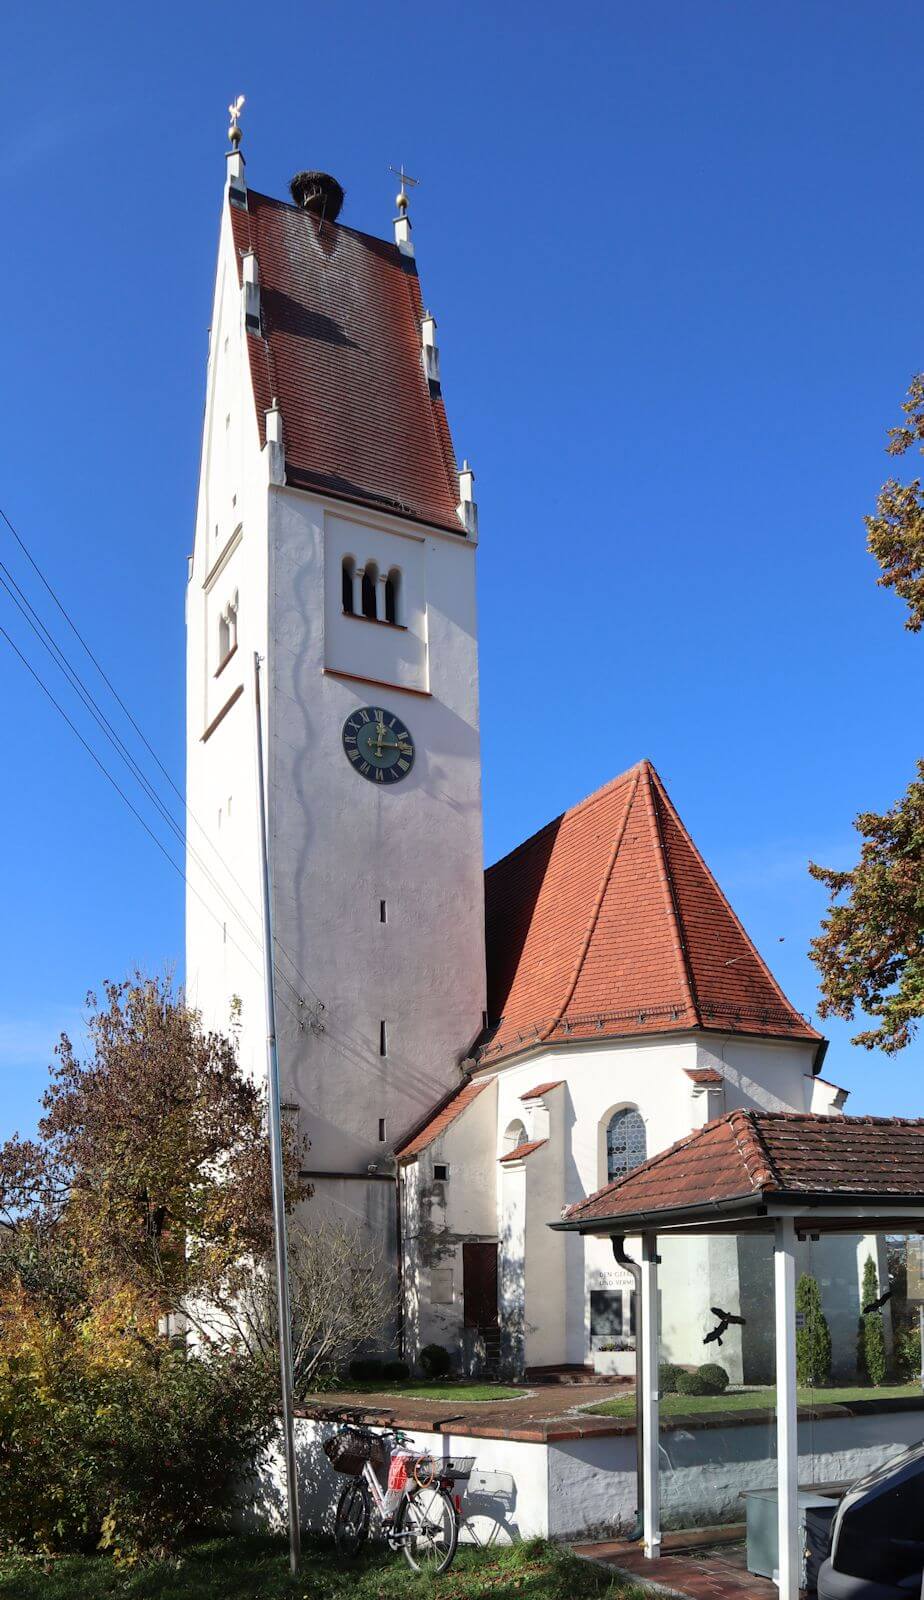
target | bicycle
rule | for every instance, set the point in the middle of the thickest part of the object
(424, 1525)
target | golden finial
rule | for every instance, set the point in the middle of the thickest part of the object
(235, 133)
(401, 198)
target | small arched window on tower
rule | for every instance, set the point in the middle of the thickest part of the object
(370, 579)
(625, 1143)
(349, 568)
(227, 633)
(393, 595)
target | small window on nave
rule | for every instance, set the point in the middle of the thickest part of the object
(514, 1135)
(625, 1143)
(392, 595)
(349, 568)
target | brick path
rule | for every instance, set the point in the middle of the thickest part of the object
(712, 1573)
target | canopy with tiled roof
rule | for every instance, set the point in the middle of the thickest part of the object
(608, 921)
(745, 1167)
(339, 349)
(789, 1173)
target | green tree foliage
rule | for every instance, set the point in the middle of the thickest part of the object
(151, 1169)
(146, 1191)
(896, 532)
(870, 952)
(871, 1350)
(813, 1338)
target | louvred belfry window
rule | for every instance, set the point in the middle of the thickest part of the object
(625, 1144)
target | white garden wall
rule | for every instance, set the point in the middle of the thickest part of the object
(580, 1488)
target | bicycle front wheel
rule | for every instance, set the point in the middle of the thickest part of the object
(430, 1524)
(352, 1521)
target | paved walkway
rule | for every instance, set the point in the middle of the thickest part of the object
(709, 1572)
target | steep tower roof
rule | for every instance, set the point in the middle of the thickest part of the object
(339, 347)
(608, 921)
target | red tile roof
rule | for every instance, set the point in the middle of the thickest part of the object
(608, 921)
(340, 349)
(523, 1150)
(704, 1074)
(446, 1113)
(752, 1153)
(543, 1088)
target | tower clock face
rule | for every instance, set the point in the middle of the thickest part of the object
(378, 745)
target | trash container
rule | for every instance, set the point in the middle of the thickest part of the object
(763, 1531)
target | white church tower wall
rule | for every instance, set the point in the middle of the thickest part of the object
(316, 382)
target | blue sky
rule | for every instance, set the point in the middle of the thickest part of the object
(675, 254)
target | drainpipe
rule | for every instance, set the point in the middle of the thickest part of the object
(619, 1251)
(399, 1252)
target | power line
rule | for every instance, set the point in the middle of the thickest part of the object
(123, 796)
(115, 738)
(45, 638)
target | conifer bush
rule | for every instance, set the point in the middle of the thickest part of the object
(871, 1350)
(813, 1338)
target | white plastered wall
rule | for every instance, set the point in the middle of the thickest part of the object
(439, 1216)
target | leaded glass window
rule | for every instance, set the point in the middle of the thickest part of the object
(625, 1144)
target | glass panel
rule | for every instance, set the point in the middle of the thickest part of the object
(717, 1442)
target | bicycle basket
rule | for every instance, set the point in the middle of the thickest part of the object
(349, 1451)
(456, 1467)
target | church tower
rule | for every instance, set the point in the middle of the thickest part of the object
(336, 538)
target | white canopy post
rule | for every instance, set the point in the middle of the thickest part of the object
(787, 1414)
(647, 1376)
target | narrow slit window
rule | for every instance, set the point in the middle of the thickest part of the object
(370, 579)
(383, 915)
(383, 1040)
(392, 593)
(349, 568)
(381, 1130)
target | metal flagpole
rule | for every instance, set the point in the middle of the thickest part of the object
(275, 1136)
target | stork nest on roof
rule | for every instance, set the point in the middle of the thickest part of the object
(319, 193)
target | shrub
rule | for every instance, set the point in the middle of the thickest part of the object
(696, 1384)
(366, 1369)
(396, 1371)
(716, 1375)
(871, 1353)
(436, 1361)
(668, 1377)
(813, 1339)
(908, 1351)
(105, 1445)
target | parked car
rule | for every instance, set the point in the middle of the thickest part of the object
(877, 1544)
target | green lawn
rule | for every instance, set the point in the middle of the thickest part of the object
(688, 1405)
(424, 1389)
(256, 1568)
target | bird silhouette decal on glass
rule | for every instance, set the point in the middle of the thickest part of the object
(877, 1305)
(727, 1319)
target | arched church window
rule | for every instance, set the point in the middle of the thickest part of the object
(349, 567)
(392, 593)
(625, 1143)
(370, 579)
(514, 1135)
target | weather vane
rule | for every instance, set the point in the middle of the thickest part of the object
(401, 200)
(234, 112)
